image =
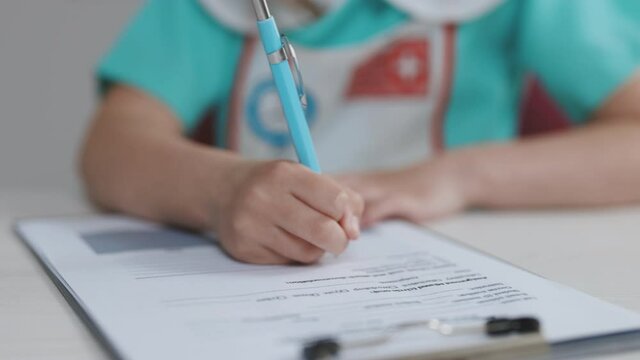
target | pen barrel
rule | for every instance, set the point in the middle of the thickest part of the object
(294, 114)
(289, 98)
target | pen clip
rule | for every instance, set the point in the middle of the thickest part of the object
(295, 66)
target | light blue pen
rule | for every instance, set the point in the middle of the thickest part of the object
(288, 81)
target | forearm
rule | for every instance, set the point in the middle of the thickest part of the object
(144, 167)
(595, 165)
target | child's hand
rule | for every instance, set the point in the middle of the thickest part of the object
(423, 192)
(280, 212)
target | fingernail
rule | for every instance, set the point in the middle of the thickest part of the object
(354, 224)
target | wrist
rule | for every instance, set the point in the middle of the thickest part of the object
(221, 183)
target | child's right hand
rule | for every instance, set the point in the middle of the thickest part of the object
(280, 212)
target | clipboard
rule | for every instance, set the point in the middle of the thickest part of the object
(523, 347)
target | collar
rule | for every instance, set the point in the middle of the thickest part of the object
(446, 11)
(239, 15)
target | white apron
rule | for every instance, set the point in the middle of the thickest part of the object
(373, 105)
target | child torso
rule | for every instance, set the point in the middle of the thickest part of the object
(373, 105)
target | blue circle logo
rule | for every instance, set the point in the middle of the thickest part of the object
(265, 117)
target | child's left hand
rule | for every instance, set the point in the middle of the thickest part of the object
(422, 192)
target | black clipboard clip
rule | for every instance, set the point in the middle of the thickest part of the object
(519, 335)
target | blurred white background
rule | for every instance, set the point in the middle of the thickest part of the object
(48, 51)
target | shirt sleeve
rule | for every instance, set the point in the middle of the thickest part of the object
(582, 51)
(177, 53)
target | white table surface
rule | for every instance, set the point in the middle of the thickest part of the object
(596, 251)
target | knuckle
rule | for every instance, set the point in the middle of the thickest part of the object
(279, 170)
(254, 195)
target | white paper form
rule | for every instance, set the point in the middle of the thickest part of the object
(156, 293)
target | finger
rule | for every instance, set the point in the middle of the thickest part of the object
(351, 225)
(356, 202)
(351, 221)
(257, 254)
(387, 208)
(321, 193)
(293, 247)
(297, 218)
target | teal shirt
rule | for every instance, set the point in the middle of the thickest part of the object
(581, 50)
